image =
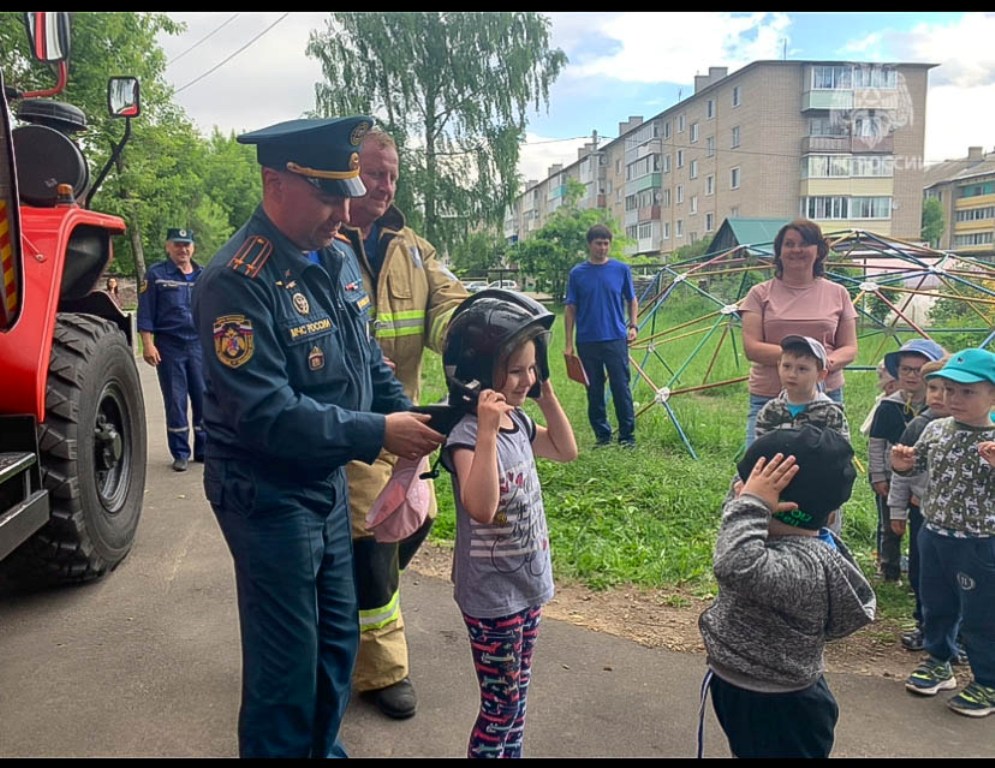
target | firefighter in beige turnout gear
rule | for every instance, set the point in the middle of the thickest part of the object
(414, 295)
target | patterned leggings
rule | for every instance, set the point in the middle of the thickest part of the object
(502, 656)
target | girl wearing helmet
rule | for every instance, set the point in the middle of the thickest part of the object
(502, 572)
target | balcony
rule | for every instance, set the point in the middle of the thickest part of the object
(830, 99)
(883, 145)
(649, 213)
(821, 144)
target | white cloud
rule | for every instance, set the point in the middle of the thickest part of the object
(540, 152)
(270, 81)
(672, 47)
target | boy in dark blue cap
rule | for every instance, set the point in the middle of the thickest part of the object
(296, 388)
(170, 343)
(787, 584)
(956, 552)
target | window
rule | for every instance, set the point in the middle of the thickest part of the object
(693, 170)
(734, 212)
(710, 185)
(873, 165)
(710, 109)
(874, 76)
(694, 133)
(679, 228)
(710, 146)
(734, 178)
(831, 78)
(974, 190)
(824, 126)
(680, 158)
(666, 163)
(632, 232)
(826, 207)
(680, 194)
(681, 123)
(666, 130)
(709, 222)
(976, 214)
(737, 95)
(665, 202)
(735, 137)
(645, 231)
(825, 166)
(870, 208)
(694, 204)
(618, 166)
(666, 230)
(975, 238)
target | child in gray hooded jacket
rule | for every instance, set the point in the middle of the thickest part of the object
(787, 585)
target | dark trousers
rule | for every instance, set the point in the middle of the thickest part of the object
(292, 549)
(957, 587)
(181, 379)
(611, 357)
(889, 542)
(797, 724)
(915, 523)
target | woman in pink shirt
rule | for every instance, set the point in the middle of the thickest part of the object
(800, 300)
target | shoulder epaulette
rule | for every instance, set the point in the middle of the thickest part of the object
(249, 259)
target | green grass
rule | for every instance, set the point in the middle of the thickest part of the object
(649, 517)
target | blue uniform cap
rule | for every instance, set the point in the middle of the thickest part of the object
(968, 367)
(323, 151)
(180, 235)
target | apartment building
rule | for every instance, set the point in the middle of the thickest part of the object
(966, 190)
(837, 142)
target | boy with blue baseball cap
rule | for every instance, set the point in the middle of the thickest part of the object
(956, 552)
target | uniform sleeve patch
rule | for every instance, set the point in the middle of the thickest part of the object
(233, 342)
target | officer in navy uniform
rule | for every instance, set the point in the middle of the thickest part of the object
(296, 388)
(171, 344)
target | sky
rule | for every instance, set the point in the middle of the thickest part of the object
(240, 71)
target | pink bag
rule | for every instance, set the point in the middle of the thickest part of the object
(402, 505)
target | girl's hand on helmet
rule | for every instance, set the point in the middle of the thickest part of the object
(491, 406)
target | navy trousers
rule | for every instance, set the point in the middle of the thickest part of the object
(611, 357)
(798, 724)
(292, 549)
(181, 379)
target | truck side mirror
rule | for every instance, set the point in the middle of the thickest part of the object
(48, 35)
(123, 97)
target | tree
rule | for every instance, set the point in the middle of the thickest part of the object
(478, 252)
(932, 221)
(453, 88)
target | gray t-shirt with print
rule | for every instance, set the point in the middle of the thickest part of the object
(502, 567)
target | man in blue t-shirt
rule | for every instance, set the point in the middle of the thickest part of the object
(601, 301)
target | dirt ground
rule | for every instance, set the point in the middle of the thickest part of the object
(666, 619)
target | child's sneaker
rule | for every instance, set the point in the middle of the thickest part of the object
(931, 677)
(974, 701)
(912, 641)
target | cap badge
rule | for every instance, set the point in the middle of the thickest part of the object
(361, 129)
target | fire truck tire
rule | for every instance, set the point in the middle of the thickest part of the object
(93, 446)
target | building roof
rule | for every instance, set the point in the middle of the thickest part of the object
(745, 231)
(959, 170)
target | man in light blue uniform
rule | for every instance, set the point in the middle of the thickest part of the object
(296, 388)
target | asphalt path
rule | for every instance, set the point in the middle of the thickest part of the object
(145, 663)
